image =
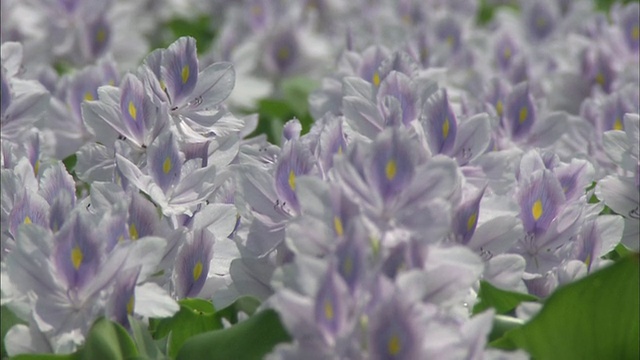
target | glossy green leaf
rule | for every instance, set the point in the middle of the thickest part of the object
(196, 316)
(502, 300)
(145, 343)
(7, 320)
(502, 324)
(200, 28)
(70, 162)
(107, 340)
(593, 318)
(74, 356)
(245, 304)
(296, 92)
(250, 339)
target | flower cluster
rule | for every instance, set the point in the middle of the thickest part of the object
(442, 153)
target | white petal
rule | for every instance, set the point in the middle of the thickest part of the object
(154, 301)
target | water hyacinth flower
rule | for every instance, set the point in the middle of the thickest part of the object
(524, 123)
(174, 185)
(68, 271)
(23, 101)
(295, 161)
(194, 97)
(128, 111)
(441, 152)
(192, 263)
(622, 193)
(540, 18)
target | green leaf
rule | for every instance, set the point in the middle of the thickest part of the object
(245, 304)
(73, 356)
(196, 316)
(503, 301)
(593, 318)
(620, 252)
(250, 339)
(70, 162)
(200, 29)
(7, 320)
(502, 324)
(145, 343)
(296, 92)
(107, 340)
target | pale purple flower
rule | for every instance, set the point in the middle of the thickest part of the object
(176, 187)
(192, 263)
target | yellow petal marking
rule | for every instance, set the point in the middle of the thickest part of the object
(524, 112)
(101, 36)
(587, 261)
(256, 10)
(617, 125)
(163, 86)
(36, 167)
(88, 96)
(283, 53)
(376, 79)
(445, 128)
(424, 53)
(375, 245)
(130, 304)
(121, 238)
(27, 220)
(166, 165)
(507, 53)
(472, 221)
(185, 74)
(76, 257)
(340, 150)
(536, 209)
(328, 310)
(197, 271)
(541, 22)
(292, 180)
(337, 225)
(132, 111)
(133, 232)
(394, 346)
(347, 266)
(391, 169)
(450, 40)
(600, 78)
(635, 33)
(499, 107)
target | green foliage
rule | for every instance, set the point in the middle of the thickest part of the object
(147, 347)
(70, 163)
(502, 324)
(605, 5)
(245, 304)
(503, 301)
(7, 320)
(274, 112)
(196, 316)
(200, 29)
(593, 318)
(620, 252)
(486, 11)
(73, 356)
(106, 341)
(249, 339)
